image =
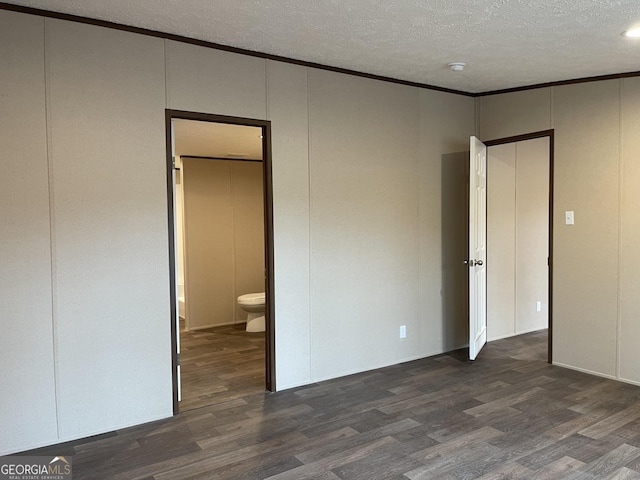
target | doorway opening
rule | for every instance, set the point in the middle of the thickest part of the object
(523, 165)
(219, 190)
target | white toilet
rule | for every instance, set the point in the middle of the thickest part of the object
(253, 304)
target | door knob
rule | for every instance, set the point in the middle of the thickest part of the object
(473, 263)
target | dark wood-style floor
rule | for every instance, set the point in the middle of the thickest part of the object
(220, 364)
(509, 414)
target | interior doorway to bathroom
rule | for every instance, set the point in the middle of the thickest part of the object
(221, 247)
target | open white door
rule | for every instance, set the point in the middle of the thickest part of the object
(477, 247)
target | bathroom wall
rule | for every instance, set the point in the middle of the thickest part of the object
(224, 238)
(517, 237)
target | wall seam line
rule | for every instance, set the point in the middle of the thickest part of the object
(420, 210)
(515, 240)
(271, 305)
(234, 250)
(309, 245)
(477, 120)
(620, 204)
(550, 230)
(52, 244)
(166, 75)
(266, 90)
(551, 98)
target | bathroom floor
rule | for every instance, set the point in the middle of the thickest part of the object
(220, 364)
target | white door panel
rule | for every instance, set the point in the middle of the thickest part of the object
(477, 247)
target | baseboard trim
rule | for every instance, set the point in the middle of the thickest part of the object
(61, 444)
(585, 370)
(391, 363)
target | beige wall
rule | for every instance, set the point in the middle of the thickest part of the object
(510, 114)
(224, 238)
(195, 81)
(586, 255)
(596, 151)
(446, 123)
(532, 235)
(629, 326)
(248, 224)
(27, 341)
(364, 195)
(95, 289)
(501, 241)
(517, 237)
(105, 97)
(287, 109)
(357, 176)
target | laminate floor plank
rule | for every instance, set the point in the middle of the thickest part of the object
(506, 415)
(507, 471)
(386, 465)
(623, 474)
(310, 455)
(220, 364)
(607, 464)
(311, 470)
(558, 470)
(612, 422)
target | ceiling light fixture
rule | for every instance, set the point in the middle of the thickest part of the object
(457, 66)
(633, 32)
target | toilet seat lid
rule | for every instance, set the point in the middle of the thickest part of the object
(252, 299)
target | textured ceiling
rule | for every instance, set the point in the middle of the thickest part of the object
(506, 43)
(208, 139)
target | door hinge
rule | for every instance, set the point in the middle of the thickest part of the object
(178, 360)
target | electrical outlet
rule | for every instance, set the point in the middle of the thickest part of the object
(538, 306)
(568, 217)
(403, 331)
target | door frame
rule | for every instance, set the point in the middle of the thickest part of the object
(265, 125)
(530, 136)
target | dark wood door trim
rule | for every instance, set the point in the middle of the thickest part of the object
(227, 159)
(530, 136)
(265, 125)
